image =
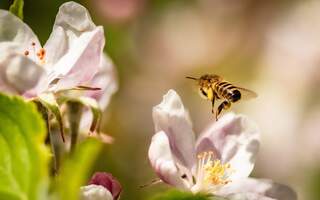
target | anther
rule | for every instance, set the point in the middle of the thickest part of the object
(26, 53)
(33, 44)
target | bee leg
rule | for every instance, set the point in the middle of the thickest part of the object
(212, 104)
(223, 106)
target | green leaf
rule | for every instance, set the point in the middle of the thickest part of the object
(17, 8)
(23, 155)
(75, 170)
(180, 195)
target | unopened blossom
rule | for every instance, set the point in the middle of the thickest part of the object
(217, 163)
(102, 186)
(71, 57)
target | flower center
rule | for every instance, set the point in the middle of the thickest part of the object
(38, 55)
(211, 173)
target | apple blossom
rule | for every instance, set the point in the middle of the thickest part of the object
(72, 58)
(218, 163)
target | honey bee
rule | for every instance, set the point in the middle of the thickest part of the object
(213, 87)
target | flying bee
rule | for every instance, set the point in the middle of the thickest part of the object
(213, 87)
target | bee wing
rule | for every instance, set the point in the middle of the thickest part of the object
(247, 94)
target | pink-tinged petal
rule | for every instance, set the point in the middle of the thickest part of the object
(95, 192)
(81, 62)
(108, 181)
(18, 73)
(261, 187)
(234, 139)
(56, 46)
(74, 17)
(162, 161)
(106, 80)
(74, 49)
(16, 31)
(171, 117)
(71, 22)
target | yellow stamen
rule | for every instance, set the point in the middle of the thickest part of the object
(211, 172)
(215, 173)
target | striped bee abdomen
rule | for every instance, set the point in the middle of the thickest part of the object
(220, 88)
(228, 91)
(236, 95)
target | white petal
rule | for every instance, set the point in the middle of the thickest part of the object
(95, 192)
(162, 161)
(56, 46)
(261, 187)
(236, 140)
(74, 49)
(81, 62)
(171, 117)
(14, 30)
(74, 16)
(71, 22)
(18, 73)
(106, 79)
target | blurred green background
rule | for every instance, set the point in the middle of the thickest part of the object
(271, 47)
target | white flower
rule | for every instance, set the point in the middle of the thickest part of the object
(218, 163)
(72, 56)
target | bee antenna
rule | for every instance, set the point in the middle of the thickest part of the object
(189, 77)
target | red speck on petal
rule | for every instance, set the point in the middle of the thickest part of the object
(108, 181)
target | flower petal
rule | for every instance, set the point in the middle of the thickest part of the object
(81, 62)
(18, 73)
(74, 49)
(14, 30)
(162, 161)
(171, 117)
(236, 140)
(106, 79)
(261, 187)
(71, 22)
(95, 192)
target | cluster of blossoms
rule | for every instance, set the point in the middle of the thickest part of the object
(72, 63)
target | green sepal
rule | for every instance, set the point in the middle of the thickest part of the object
(95, 110)
(90, 103)
(49, 101)
(17, 8)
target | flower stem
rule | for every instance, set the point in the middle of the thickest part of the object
(74, 115)
(50, 137)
